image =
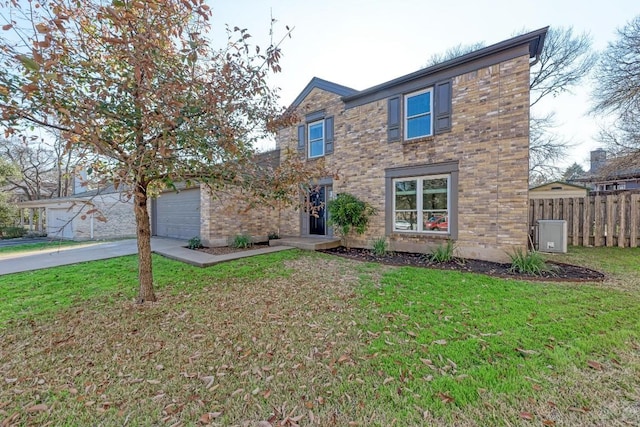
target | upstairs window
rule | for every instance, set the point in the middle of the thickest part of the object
(418, 114)
(316, 139)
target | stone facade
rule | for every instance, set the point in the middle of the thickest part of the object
(487, 145)
(117, 212)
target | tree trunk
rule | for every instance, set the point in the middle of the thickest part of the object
(143, 233)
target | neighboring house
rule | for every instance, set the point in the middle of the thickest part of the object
(90, 215)
(558, 190)
(607, 175)
(445, 145)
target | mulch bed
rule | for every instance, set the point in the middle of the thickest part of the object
(559, 272)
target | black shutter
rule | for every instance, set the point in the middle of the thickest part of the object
(393, 119)
(328, 135)
(442, 119)
(302, 137)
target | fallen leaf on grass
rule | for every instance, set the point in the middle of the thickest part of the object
(41, 407)
(208, 417)
(595, 365)
(387, 380)
(548, 423)
(343, 358)
(445, 398)
(526, 416)
(582, 410)
(440, 342)
(524, 352)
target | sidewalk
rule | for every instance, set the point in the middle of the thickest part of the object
(92, 251)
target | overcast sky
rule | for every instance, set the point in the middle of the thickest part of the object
(360, 43)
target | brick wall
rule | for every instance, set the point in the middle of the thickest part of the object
(489, 140)
(227, 213)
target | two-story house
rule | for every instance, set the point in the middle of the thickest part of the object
(442, 153)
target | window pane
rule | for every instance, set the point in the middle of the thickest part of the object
(315, 131)
(435, 204)
(434, 194)
(419, 126)
(406, 195)
(316, 149)
(405, 221)
(419, 104)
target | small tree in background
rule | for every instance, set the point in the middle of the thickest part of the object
(573, 172)
(8, 210)
(350, 215)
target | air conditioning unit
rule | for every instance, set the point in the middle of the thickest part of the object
(552, 235)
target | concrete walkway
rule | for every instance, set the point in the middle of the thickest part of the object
(92, 251)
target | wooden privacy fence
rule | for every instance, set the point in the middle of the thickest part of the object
(597, 220)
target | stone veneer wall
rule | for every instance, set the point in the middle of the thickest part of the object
(489, 140)
(118, 211)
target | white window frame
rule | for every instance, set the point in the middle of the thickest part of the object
(406, 117)
(419, 206)
(309, 125)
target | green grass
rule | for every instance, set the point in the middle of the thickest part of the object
(306, 334)
(613, 260)
(443, 335)
(26, 247)
(44, 292)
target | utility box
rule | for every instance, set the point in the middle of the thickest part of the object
(552, 235)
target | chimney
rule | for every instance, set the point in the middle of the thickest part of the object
(598, 160)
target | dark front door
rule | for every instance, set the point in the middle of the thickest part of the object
(317, 217)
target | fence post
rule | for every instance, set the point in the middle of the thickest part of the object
(633, 223)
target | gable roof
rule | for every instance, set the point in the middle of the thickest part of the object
(324, 85)
(563, 183)
(480, 58)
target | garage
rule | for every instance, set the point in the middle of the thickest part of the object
(176, 214)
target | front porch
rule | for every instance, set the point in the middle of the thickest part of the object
(308, 243)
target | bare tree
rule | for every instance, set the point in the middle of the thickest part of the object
(453, 52)
(565, 60)
(617, 92)
(546, 148)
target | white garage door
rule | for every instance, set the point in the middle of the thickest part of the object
(177, 214)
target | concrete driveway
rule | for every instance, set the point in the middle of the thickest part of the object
(46, 258)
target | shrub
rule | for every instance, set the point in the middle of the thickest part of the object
(241, 241)
(349, 214)
(12, 232)
(194, 243)
(379, 246)
(444, 252)
(527, 262)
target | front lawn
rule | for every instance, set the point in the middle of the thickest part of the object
(310, 339)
